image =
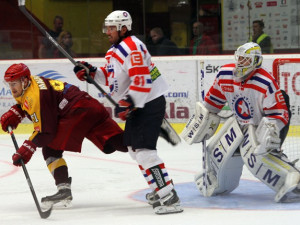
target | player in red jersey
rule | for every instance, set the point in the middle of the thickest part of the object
(62, 116)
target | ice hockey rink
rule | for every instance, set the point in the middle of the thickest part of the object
(109, 189)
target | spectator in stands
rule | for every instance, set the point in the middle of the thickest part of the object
(160, 44)
(202, 44)
(261, 38)
(66, 42)
(46, 48)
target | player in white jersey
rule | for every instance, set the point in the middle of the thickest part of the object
(139, 88)
(253, 136)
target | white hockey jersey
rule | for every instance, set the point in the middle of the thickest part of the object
(129, 71)
(250, 100)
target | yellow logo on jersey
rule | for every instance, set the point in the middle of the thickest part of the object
(57, 85)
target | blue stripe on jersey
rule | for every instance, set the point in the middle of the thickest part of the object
(67, 86)
(149, 81)
(267, 83)
(110, 70)
(274, 114)
(122, 50)
(216, 100)
(225, 72)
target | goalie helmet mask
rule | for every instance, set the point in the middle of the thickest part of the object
(16, 71)
(118, 18)
(248, 58)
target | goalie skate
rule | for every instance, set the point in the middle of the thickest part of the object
(62, 199)
(168, 204)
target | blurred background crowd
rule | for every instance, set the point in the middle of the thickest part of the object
(167, 27)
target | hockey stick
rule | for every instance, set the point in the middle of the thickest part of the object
(167, 131)
(204, 157)
(43, 214)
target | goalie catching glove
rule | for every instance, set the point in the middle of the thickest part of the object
(124, 108)
(12, 118)
(267, 134)
(81, 73)
(25, 153)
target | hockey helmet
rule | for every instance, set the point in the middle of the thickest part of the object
(118, 18)
(248, 58)
(16, 71)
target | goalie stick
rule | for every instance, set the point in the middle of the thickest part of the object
(43, 214)
(167, 131)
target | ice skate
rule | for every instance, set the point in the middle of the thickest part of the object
(168, 204)
(152, 197)
(62, 199)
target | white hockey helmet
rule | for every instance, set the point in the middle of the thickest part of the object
(251, 59)
(118, 18)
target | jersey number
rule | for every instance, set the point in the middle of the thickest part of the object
(34, 118)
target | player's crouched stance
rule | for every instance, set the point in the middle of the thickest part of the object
(232, 147)
(62, 116)
(250, 137)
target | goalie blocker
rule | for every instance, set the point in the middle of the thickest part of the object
(201, 126)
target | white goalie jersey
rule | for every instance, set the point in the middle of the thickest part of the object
(250, 100)
(129, 71)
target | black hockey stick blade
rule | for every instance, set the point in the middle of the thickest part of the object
(168, 133)
(43, 214)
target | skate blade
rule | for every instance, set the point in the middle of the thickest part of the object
(162, 210)
(58, 205)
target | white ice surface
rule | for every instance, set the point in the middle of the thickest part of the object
(102, 186)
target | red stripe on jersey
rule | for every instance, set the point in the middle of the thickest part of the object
(278, 105)
(105, 74)
(212, 103)
(138, 71)
(279, 118)
(217, 93)
(140, 89)
(255, 87)
(117, 57)
(224, 81)
(129, 42)
(269, 76)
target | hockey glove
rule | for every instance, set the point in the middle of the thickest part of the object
(124, 108)
(24, 152)
(81, 72)
(267, 134)
(12, 118)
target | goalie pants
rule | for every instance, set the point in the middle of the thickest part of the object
(86, 119)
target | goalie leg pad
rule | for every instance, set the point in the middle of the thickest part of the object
(276, 173)
(202, 125)
(224, 166)
(228, 178)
